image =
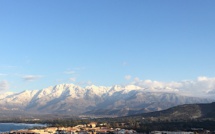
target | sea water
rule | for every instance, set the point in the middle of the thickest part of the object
(5, 127)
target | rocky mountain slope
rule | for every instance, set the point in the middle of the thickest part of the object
(93, 100)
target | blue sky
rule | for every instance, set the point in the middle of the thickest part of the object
(104, 42)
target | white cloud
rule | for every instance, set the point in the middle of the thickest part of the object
(69, 72)
(73, 70)
(156, 85)
(31, 77)
(85, 83)
(136, 79)
(72, 79)
(89, 83)
(200, 86)
(202, 78)
(128, 77)
(4, 85)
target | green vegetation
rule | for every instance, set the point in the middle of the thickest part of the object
(140, 125)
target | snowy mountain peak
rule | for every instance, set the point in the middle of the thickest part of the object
(4, 95)
(65, 86)
(98, 90)
(132, 87)
(73, 99)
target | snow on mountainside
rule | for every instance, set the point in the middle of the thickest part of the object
(4, 95)
(93, 100)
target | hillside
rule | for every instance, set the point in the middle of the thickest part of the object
(182, 112)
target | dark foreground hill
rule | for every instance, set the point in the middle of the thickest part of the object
(182, 112)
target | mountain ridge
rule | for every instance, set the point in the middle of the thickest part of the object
(94, 100)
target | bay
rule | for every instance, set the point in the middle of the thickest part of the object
(5, 127)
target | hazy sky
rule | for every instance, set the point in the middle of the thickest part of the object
(104, 42)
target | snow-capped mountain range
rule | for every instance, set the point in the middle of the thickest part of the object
(93, 100)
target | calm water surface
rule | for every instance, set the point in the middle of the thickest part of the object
(16, 126)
